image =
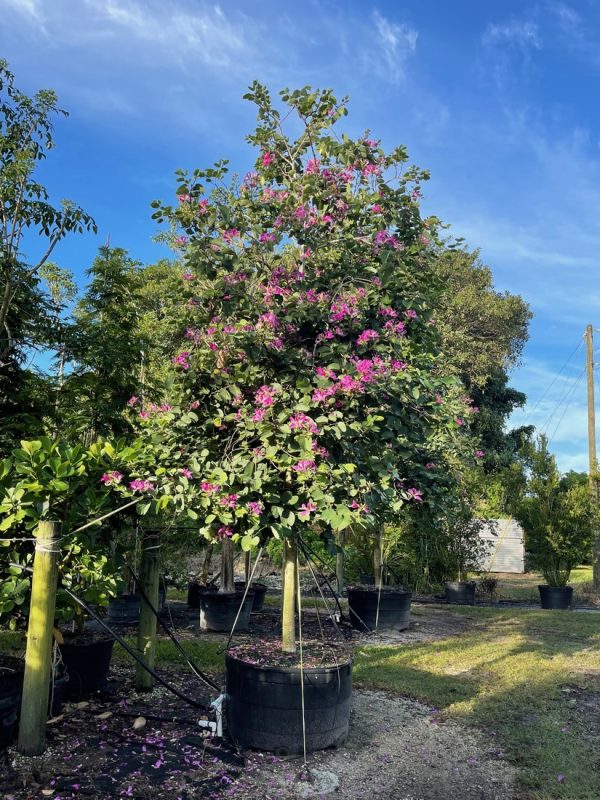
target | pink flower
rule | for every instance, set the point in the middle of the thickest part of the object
(265, 396)
(312, 166)
(209, 488)
(269, 319)
(187, 276)
(439, 399)
(410, 313)
(267, 159)
(367, 336)
(139, 485)
(255, 508)
(259, 414)
(184, 198)
(305, 465)
(230, 234)
(321, 395)
(459, 421)
(181, 241)
(430, 465)
(306, 509)
(194, 404)
(229, 500)
(266, 237)
(181, 360)
(225, 531)
(415, 494)
(186, 473)
(349, 384)
(376, 209)
(302, 422)
(203, 207)
(111, 478)
(132, 400)
(479, 454)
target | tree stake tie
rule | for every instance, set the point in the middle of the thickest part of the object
(248, 585)
(301, 658)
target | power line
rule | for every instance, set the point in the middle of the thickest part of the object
(568, 401)
(558, 374)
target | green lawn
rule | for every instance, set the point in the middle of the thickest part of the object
(529, 678)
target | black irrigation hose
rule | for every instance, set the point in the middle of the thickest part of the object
(305, 549)
(126, 647)
(171, 635)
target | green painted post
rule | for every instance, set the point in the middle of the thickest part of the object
(149, 579)
(38, 655)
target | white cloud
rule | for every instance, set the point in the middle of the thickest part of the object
(396, 43)
(30, 10)
(520, 33)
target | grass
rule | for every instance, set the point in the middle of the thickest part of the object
(528, 678)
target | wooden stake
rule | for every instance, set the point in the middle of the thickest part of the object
(227, 580)
(38, 656)
(288, 619)
(149, 579)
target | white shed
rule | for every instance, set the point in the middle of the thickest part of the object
(506, 546)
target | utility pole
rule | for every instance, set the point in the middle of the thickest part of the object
(593, 462)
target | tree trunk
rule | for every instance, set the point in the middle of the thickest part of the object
(339, 563)
(248, 567)
(288, 617)
(146, 640)
(378, 555)
(227, 584)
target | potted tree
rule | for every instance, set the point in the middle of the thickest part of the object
(377, 603)
(465, 550)
(306, 391)
(558, 519)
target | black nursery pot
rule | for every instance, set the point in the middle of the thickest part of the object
(556, 597)
(259, 589)
(124, 610)
(87, 664)
(195, 592)
(11, 688)
(394, 608)
(218, 611)
(462, 592)
(264, 706)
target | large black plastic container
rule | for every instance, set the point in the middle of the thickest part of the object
(124, 610)
(11, 688)
(218, 611)
(259, 589)
(87, 664)
(195, 592)
(394, 608)
(264, 706)
(556, 597)
(462, 592)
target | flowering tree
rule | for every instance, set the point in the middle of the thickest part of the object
(307, 390)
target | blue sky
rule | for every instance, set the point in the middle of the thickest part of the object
(497, 99)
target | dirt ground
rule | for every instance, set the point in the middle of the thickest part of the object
(123, 744)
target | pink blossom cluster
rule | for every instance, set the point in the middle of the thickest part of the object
(265, 396)
(306, 509)
(235, 277)
(305, 465)
(367, 336)
(140, 485)
(209, 488)
(347, 305)
(229, 500)
(112, 478)
(256, 508)
(181, 360)
(386, 238)
(225, 531)
(302, 422)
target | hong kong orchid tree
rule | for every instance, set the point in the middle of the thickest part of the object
(307, 389)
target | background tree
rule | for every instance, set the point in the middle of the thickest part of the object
(25, 138)
(104, 349)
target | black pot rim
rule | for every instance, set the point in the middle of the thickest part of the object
(387, 590)
(289, 670)
(549, 586)
(252, 585)
(102, 640)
